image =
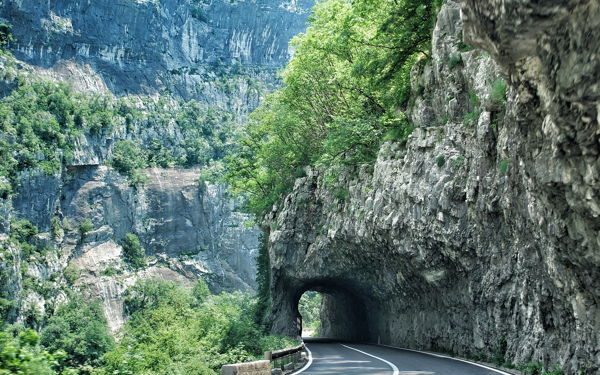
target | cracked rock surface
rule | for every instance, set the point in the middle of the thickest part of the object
(480, 238)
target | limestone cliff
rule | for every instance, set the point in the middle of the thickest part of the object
(481, 235)
(218, 51)
(223, 54)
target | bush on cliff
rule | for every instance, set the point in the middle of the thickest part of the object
(42, 121)
(133, 253)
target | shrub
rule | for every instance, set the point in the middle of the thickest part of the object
(440, 160)
(503, 166)
(151, 294)
(532, 368)
(71, 273)
(500, 351)
(464, 47)
(127, 157)
(341, 194)
(200, 291)
(5, 188)
(498, 92)
(458, 162)
(133, 253)
(110, 271)
(22, 230)
(5, 34)
(138, 178)
(56, 227)
(85, 227)
(20, 353)
(473, 99)
(471, 117)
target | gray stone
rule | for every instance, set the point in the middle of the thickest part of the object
(495, 252)
(215, 51)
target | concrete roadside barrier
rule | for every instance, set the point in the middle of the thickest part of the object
(249, 368)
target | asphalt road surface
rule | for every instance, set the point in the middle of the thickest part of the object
(358, 359)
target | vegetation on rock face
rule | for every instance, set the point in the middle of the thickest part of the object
(5, 34)
(343, 91)
(263, 279)
(42, 122)
(133, 253)
(21, 353)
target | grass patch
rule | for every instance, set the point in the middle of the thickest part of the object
(498, 92)
(471, 117)
(503, 166)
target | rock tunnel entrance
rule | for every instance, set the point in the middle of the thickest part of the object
(342, 313)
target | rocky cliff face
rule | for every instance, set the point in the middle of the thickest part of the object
(189, 229)
(481, 235)
(218, 51)
(222, 53)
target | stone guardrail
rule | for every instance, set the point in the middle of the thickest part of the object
(249, 368)
(281, 361)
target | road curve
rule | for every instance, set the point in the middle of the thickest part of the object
(359, 359)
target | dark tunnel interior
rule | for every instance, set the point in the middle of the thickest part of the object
(343, 312)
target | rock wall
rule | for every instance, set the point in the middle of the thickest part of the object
(222, 53)
(189, 229)
(481, 235)
(218, 51)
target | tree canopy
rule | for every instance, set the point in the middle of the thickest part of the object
(346, 87)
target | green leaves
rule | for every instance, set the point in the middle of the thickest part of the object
(20, 353)
(41, 122)
(133, 253)
(172, 328)
(79, 329)
(343, 93)
(127, 157)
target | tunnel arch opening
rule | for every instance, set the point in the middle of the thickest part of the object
(342, 312)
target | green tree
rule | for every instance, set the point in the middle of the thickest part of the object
(86, 226)
(133, 253)
(20, 353)
(127, 157)
(310, 309)
(200, 292)
(169, 329)
(78, 328)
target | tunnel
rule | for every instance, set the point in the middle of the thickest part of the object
(343, 312)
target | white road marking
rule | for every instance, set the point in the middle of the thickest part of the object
(307, 365)
(393, 366)
(455, 359)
